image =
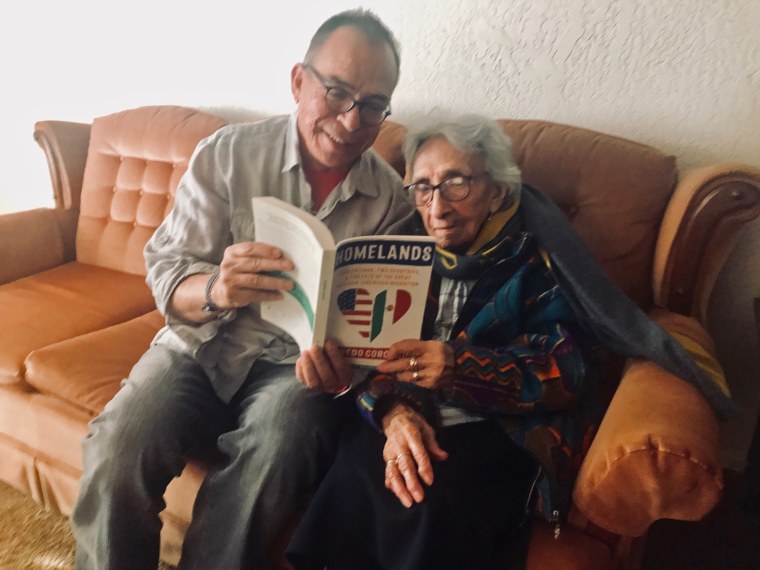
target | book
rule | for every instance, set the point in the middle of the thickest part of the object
(365, 292)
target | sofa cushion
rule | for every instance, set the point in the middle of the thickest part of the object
(134, 163)
(62, 303)
(613, 190)
(68, 369)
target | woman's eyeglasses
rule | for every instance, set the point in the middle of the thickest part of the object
(452, 189)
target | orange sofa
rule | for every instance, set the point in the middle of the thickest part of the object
(77, 313)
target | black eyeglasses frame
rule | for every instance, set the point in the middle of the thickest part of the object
(354, 102)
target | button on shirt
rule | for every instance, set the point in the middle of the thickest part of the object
(212, 210)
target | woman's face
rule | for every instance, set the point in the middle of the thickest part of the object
(454, 225)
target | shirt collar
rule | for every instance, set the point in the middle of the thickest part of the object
(292, 154)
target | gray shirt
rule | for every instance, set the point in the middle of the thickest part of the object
(212, 210)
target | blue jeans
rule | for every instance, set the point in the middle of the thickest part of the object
(276, 438)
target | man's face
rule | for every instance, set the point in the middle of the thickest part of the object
(330, 140)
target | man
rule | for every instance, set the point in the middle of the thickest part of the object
(218, 375)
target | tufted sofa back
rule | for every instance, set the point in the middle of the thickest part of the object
(134, 163)
(613, 190)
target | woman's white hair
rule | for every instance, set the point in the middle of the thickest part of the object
(470, 134)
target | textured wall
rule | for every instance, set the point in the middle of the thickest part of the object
(682, 75)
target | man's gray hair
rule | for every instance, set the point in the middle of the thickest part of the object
(470, 134)
(366, 22)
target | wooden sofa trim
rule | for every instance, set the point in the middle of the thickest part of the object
(699, 230)
(65, 146)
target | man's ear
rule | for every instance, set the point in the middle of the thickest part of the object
(296, 81)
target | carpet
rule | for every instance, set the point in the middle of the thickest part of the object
(32, 538)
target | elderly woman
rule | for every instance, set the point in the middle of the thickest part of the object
(449, 419)
(487, 418)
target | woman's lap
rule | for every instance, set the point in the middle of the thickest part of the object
(470, 516)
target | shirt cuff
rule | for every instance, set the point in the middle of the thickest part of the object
(359, 376)
(381, 390)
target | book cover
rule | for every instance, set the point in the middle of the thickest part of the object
(365, 292)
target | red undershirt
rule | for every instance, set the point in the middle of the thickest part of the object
(322, 182)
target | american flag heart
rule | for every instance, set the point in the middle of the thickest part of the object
(356, 306)
(367, 314)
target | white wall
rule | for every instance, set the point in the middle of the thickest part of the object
(682, 75)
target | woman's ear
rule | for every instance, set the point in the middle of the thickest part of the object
(499, 197)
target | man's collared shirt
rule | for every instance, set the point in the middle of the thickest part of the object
(212, 210)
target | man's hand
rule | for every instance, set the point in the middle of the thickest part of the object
(408, 448)
(242, 280)
(326, 370)
(243, 275)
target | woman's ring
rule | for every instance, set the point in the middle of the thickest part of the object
(413, 364)
(390, 463)
(415, 375)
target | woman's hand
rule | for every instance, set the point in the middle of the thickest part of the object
(325, 370)
(428, 364)
(408, 448)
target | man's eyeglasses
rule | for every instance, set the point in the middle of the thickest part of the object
(452, 189)
(341, 100)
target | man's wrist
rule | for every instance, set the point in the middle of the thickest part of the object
(209, 306)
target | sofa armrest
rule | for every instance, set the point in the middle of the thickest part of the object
(65, 145)
(656, 452)
(700, 228)
(35, 240)
(655, 455)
